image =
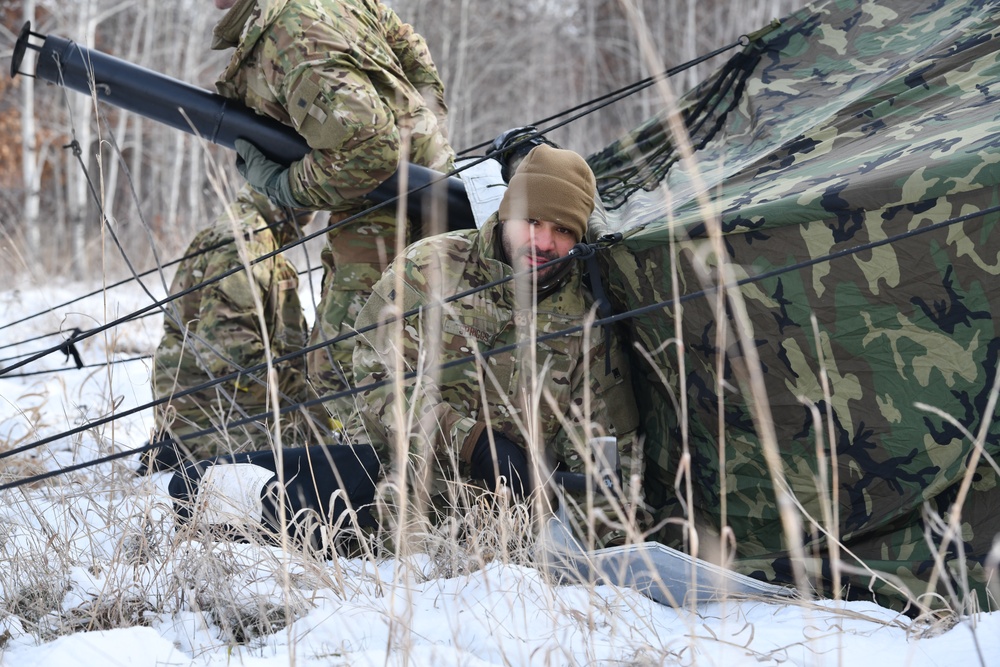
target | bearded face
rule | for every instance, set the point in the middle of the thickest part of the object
(531, 243)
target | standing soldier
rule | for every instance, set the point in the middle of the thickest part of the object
(227, 326)
(357, 83)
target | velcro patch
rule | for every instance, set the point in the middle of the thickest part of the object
(303, 103)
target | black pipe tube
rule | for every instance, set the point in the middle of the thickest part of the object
(215, 118)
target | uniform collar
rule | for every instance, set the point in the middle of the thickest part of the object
(227, 31)
(243, 26)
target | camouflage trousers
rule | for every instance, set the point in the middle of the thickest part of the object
(353, 260)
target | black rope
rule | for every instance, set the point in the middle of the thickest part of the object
(617, 95)
(608, 98)
(120, 283)
(613, 97)
(261, 366)
(662, 305)
(542, 131)
(625, 91)
(103, 364)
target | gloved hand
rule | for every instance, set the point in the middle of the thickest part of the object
(523, 139)
(511, 461)
(264, 175)
(167, 456)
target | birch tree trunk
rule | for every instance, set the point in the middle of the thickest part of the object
(31, 173)
(77, 156)
(193, 57)
(691, 35)
(113, 164)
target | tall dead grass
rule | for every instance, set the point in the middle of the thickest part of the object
(88, 552)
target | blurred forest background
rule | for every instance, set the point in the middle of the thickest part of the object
(504, 64)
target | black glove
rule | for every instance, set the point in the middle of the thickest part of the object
(264, 174)
(163, 458)
(510, 147)
(511, 462)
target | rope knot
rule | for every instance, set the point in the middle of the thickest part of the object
(69, 349)
(75, 145)
(582, 251)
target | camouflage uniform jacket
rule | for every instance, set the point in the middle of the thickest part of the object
(560, 381)
(347, 75)
(216, 330)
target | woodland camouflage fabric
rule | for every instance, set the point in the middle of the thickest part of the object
(215, 331)
(828, 150)
(350, 77)
(564, 382)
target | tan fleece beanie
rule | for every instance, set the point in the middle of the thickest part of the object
(551, 184)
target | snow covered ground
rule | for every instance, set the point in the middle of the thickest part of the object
(92, 571)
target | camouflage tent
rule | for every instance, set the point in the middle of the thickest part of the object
(850, 158)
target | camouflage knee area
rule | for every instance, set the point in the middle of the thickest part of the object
(338, 309)
(347, 288)
(370, 239)
(330, 369)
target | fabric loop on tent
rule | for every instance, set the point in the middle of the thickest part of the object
(620, 179)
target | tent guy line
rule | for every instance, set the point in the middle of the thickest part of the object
(465, 360)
